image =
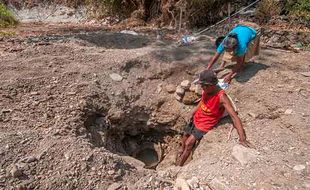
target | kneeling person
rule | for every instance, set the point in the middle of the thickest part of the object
(240, 45)
(207, 114)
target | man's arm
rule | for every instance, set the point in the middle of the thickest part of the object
(213, 60)
(236, 68)
(236, 120)
(192, 113)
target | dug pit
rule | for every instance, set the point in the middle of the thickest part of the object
(149, 145)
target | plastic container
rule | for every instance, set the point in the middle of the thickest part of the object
(186, 40)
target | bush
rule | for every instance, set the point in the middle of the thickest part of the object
(102, 8)
(6, 17)
(299, 10)
(267, 9)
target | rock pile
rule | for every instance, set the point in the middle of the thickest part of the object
(185, 92)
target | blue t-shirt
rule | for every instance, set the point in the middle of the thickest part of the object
(244, 34)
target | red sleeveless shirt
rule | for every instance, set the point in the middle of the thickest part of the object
(210, 111)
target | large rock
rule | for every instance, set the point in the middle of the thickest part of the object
(244, 155)
(190, 98)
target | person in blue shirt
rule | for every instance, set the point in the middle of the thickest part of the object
(237, 48)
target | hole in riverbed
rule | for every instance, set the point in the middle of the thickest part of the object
(130, 138)
(140, 142)
(148, 156)
(148, 146)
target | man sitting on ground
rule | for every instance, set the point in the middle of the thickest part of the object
(207, 114)
(240, 45)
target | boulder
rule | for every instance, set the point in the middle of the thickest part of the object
(244, 155)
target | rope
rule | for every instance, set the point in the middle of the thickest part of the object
(198, 33)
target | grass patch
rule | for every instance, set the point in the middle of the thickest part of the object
(6, 17)
(7, 34)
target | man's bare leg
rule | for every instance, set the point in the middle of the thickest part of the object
(187, 150)
(184, 138)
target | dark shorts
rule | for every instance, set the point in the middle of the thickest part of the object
(192, 130)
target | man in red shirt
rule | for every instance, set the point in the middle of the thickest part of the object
(207, 114)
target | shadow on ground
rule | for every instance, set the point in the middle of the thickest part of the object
(115, 40)
(250, 71)
(173, 52)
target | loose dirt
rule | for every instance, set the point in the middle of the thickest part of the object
(76, 107)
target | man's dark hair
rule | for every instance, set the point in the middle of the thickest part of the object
(231, 41)
(207, 77)
(219, 40)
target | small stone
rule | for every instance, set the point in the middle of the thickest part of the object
(34, 93)
(252, 115)
(29, 159)
(306, 74)
(185, 84)
(115, 186)
(159, 88)
(288, 112)
(170, 88)
(111, 172)
(116, 77)
(67, 156)
(180, 91)
(16, 172)
(299, 167)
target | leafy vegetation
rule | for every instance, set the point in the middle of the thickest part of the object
(297, 10)
(6, 17)
(300, 10)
